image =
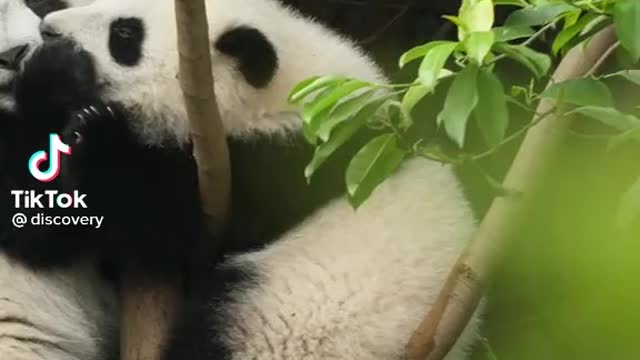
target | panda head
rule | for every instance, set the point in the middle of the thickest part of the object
(18, 37)
(260, 50)
(133, 49)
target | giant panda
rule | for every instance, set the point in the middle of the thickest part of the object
(62, 314)
(303, 276)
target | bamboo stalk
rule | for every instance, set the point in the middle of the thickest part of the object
(149, 307)
(464, 286)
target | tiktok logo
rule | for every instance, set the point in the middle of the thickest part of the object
(56, 147)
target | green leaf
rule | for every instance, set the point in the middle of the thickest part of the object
(587, 33)
(418, 52)
(631, 75)
(629, 207)
(508, 33)
(475, 16)
(626, 17)
(571, 18)
(373, 164)
(434, 62)
(342, 111)
(321, 103)
(460, 102)
(413, 97)
(491, 112)
(538, 63)
(341, 134)
(308, 86)
(572, 31)
(538, 15)
(610, 117)
(581, 92)
(478, 45)
(520, 3)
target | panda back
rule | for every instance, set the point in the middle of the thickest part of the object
(344, 284)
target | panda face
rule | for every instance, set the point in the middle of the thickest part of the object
(18, 37)
(133, 47)
(260, 50)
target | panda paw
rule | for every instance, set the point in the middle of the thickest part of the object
(87, 123)
(98, 137)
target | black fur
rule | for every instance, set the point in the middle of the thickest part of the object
(256, 55)
(41, 109)
(7, 139)
(148, 195)
(126, 37)
(43, 7)
(200, 327)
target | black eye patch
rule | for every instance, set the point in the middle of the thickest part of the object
(126, 36)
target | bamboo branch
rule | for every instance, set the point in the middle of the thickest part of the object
(464, 286)
(209, 142)
(147, 311)
(148, 308)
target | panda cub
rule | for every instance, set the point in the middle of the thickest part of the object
(64, 314)
(325, 281)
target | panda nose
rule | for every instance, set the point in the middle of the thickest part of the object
(48, 32)
(11, 58)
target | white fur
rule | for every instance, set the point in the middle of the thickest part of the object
(54, 315)
(18, 26)
(153, 85)
(343, 284)
(355, 285)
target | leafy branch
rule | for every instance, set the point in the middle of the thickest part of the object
(336, 108)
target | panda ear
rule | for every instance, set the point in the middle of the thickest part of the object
(256, 56)
(44, 7)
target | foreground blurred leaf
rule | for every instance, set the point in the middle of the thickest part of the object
(581, 92)
(610, 117)
(624, 138)
(631, 75)
(629, 209)
(373, 164)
